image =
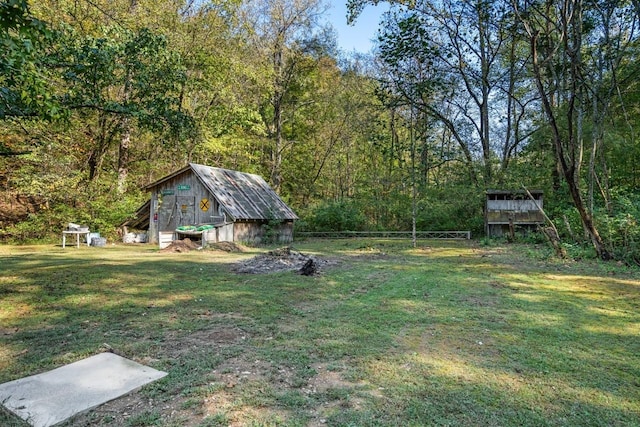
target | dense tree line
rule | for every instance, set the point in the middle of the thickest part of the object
(511, 80)
(101, 97)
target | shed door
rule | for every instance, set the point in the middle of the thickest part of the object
(185, 210)
(167, 213)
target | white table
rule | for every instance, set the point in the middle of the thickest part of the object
(77, 233)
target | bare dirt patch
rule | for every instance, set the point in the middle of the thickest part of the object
(137, 409)
(282, 259)
(326, 380)
(338, 392)
(187, 245)
(220, 336)
(222, 393)
(8, 331)
(134, 409)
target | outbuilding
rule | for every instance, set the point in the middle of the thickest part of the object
(509, 211)
(217, 205)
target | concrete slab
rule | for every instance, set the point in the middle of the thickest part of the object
(47, 399)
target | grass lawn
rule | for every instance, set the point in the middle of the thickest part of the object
(449, 333)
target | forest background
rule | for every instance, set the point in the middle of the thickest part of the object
(100, 97)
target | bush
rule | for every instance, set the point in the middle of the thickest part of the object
(101, 212)
(453, 209)
(619, 228)
(342, 215)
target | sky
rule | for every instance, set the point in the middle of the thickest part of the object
(359, 35)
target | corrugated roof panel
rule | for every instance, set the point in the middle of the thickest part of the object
(243, 196)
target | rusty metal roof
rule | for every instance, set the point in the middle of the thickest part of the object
(243, 196)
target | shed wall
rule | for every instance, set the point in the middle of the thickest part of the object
(255, 232)
(181, 200)
(506, 210)
(513, 205)
(225, 233)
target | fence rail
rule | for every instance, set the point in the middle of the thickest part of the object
(388, 234)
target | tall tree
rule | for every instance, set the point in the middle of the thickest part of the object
(557, 33)
(120, 78)
(610, 45)
(412, 77)
(469, 46)
(282, 28)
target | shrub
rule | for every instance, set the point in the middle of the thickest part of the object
(453, 209)
(101, 211)
(619, 228)
(342, 215)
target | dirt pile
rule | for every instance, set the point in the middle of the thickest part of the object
(226, 247)
(282, 259)
(184, 245)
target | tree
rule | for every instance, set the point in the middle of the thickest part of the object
(25, 88)
(221, 89)
(556, 33)
(283, 29)
(411, 77)
(471, 48)
(122, 77)
(610, 45)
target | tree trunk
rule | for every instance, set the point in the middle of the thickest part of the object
(484, 105)
(123, 155)
(278, 94)
(413, 179)
(587, 222)
(554, 241)
(567, 143)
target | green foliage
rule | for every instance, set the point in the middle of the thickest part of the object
(191, 83)
(580, 251)
(270, 231)
(103, 211)
(127, 73)
(410, 51)
(26, 88)
(145, 419)
(451, 208)
(618, 226)
(447, 208)
(342, 215)
(216, 420)
(621, 229)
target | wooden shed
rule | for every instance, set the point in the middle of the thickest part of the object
(509, 211)
(217, 205)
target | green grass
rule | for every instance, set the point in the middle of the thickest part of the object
(449, 333)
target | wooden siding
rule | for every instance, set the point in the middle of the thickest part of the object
(225, 233)
(192, 195)
(513, 205)
(179, 201)
(165, 238)
(517, 217)
(254, 232)
(504, 209)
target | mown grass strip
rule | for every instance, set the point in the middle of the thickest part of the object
(448, 333)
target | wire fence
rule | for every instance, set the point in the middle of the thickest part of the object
(387, 234)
